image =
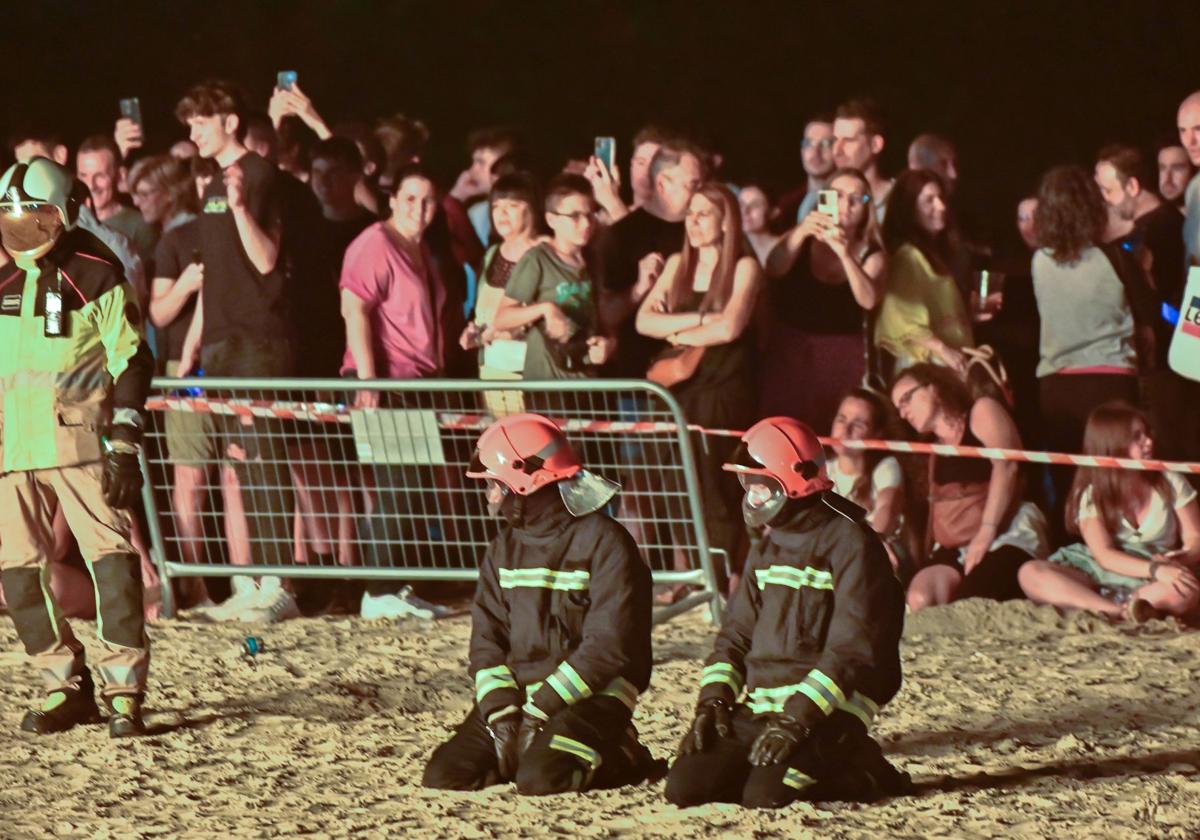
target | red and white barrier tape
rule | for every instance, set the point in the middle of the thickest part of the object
(330, 413)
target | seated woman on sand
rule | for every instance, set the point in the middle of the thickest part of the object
(979, 533)
(1141, 531)
(872, 479)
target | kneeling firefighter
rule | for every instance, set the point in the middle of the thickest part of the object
(809, 649)
(74, 375)
(560, 635)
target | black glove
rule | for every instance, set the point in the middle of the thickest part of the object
(504, 734)
(531, 727)
(712, 716)
(121, 481)
(778, 740)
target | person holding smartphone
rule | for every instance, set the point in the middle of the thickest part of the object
(827, 277)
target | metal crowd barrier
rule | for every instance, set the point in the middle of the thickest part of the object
(289, 477)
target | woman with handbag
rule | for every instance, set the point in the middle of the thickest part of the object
(830, 277)
(701, 304)
(980, 533)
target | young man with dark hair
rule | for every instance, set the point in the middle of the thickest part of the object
(858, 141)
(98, 165)
(320, 331)
(241, 328)
(550, 291)
(630, 254)
(1175, 170)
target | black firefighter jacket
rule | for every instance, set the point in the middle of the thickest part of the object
(815, 624)
(562, 612)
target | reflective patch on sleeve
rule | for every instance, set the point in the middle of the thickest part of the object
(793, 778)
(488, 680)
(722, 672)
(794, 578)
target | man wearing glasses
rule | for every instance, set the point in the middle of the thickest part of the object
(816, 155)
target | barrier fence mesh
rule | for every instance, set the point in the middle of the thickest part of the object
(323, 478)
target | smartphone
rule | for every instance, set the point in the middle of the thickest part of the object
(285, 79)
(606, 152)
(197, 257)
(827, 203)
(131, 109)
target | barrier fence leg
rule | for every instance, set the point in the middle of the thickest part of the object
(157, 547)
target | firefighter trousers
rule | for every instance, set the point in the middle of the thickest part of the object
(27, 504)
(589, 745)
(838, 761)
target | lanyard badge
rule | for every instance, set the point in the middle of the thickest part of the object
(54, 315)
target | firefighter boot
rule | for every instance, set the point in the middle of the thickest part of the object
(64, 708)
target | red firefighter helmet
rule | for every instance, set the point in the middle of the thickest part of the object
(785, 450)
(524, 452)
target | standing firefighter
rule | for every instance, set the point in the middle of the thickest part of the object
(560, 636)
(808, 651)
(74, 373)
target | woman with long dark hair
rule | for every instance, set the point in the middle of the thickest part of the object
(704, 299)
(923, 317)
(830, 276)
(1140, 530)
(979, 532)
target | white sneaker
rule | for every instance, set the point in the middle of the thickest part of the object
(404, 604)
(228, 610)
(273, 608)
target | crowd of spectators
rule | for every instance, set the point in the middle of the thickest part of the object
(276, 245)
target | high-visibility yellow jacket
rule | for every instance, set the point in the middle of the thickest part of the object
(58, 395)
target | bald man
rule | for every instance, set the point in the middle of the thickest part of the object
(936, 154)
(1188, 120)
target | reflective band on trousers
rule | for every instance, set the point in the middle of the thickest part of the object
(793, 778)
(580, 750)
(488, 680)
(723, 672)
(577, 580)
(793, 577)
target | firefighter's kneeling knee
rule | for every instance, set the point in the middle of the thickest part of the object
(444, 772)
(28, 608)
(767, 794)
(686, 788)
(119, 596)
(546, 772)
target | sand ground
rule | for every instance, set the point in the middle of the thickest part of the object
(1014, 722)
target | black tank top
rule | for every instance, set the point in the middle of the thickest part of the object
(814, 306)
(953, 469)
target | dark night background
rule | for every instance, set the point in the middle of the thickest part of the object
(1019, 85)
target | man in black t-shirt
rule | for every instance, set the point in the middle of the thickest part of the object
(651, 233)
(316, 303)
(241, 328)
(1152, 231)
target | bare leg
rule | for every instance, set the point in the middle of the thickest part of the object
(1163, 596)
(189, 497)
(933, 586)
(236, 531)
(1062, 586)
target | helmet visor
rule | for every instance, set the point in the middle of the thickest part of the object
(29, 228)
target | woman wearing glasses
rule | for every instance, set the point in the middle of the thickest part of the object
(979, 532)
(829, 271)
